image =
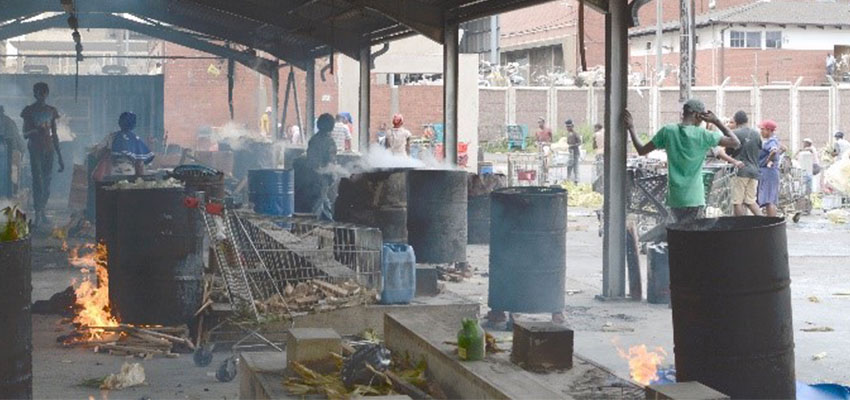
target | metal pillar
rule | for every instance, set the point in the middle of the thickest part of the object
(685, 50)
(494, 40)
(450, 91)
(659, 41)
(365, 97)
(310, 100)
(616, 82)
(275, 118)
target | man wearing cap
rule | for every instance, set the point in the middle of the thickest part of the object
(746, 159)
(841, 147)
(686, 144)
(769, 157)
(543, 134)
(574, 144)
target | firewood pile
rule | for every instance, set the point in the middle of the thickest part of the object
(316, 296)
(129, 340)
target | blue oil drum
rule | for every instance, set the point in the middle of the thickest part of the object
(272, 191)
(528, 249)
(398, 273)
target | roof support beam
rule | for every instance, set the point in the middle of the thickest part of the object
(108, 21)
(423, 18)
(344, 41)
(183, 14)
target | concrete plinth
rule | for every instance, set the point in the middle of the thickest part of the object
(313, 347)
(682, 391)
(427, 283)
(542, 346)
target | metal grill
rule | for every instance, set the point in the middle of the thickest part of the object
(259, 256)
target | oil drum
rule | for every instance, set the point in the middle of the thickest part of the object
(436, 215)
(377, 199)
(731, 299)
(528, 249)
(15, 320)
(155, 259)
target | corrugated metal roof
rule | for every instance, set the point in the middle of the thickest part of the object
(289, 29)
(769, 12)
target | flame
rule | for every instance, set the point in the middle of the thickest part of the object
(84, 256)
(643, 364)
(93, 296)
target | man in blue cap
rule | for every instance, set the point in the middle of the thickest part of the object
(686, 144)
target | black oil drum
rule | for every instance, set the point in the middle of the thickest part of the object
(657, 274)
(478, 206)
(528, 249)
(436, 215)
(377, 199)
(15, 320)
(732, 328)
(156, 257)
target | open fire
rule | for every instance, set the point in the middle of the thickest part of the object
(643, 363)
(92, 293)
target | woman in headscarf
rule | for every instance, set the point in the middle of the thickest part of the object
(122, 152)
(398, 138)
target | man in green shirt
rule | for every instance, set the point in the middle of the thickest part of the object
(687, 144)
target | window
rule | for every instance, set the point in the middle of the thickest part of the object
(773, 40)
(745, 39)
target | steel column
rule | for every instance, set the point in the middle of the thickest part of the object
(275, 104)
(450, 90)
(310, 100)
(616, 82)
(365, 97)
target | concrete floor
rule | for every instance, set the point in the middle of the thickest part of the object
(57, 371)
(819, 269)
(818, 251)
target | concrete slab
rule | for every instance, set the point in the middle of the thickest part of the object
(313, 347)
(355, 320)
(683, 391)
(423, 338)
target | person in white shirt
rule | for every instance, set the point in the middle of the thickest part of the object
(295, 135)
(841, 147)
(341, 134)
(398, 138)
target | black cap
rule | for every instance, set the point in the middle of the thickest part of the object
(568, 122)
(839, 135)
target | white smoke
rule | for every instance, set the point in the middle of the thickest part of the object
(64, 131)
(235, 135)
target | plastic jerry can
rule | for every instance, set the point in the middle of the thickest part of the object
(398, 273)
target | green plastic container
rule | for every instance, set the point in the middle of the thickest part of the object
(470, 341)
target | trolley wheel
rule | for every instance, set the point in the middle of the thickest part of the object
(202, 356)
(227, 370)
(796, 217)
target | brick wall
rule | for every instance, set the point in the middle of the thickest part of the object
(420, 105)
(639, 105)
(531, 105)
(572, 104)
(740, 64)
(814, 122)
(739, 100)
(776, 105)
(491, 114)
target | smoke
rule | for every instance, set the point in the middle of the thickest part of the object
(236, 135)
(64, 131)
(379, 157)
